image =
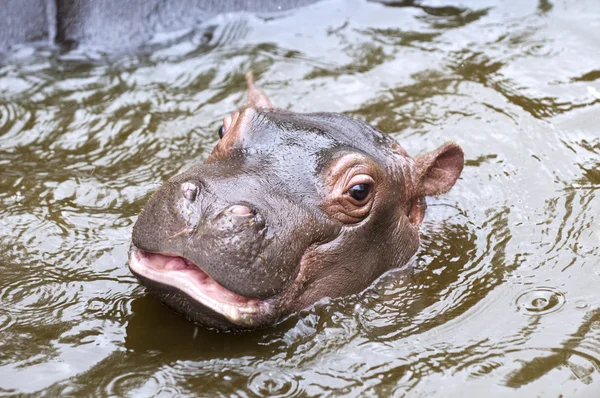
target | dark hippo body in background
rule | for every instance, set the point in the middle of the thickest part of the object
(25, 21)
(114, 23)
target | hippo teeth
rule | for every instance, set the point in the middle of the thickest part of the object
(188, 277)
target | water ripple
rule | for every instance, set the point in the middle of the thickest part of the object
(38, 294)
(540, 301)
(268, 383)
(6, 320)
(85, 137)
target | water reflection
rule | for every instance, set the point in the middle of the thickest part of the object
(85, 137)
(579, 353)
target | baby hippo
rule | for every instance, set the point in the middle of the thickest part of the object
(289, 208)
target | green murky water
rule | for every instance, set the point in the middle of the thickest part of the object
(503, 297)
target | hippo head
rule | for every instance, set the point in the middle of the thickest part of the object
(288, 208)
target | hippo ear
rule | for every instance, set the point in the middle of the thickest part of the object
(256, 98)
(438, 170)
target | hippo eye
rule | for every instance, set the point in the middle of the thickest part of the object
(360, 192)
(221, 131)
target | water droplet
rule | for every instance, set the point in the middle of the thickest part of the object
(483, 368)
(581, 304)
(540, 301)
(269, 384)
(125, 383)
(6, 320)
(95, 305)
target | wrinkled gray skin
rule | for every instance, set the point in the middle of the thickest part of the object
(298, 245)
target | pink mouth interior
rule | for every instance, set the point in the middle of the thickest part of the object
(181, 268)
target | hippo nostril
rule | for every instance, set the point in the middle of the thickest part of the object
(190, 191)
(240, 210)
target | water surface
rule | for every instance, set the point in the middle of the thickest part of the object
(502, 298)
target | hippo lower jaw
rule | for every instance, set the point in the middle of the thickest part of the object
(181, 274)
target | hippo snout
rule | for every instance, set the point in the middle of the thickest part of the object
(241, 219)
(232, 252)
(225, 236)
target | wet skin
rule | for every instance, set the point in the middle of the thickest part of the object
(289, 208)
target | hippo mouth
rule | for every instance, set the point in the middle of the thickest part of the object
(187, 277)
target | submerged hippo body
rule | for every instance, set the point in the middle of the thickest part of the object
(288, 208)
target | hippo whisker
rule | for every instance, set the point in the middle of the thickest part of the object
(185, 231)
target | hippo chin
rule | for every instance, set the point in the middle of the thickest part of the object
(289, 208)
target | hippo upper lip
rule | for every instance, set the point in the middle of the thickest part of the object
(186, 276)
